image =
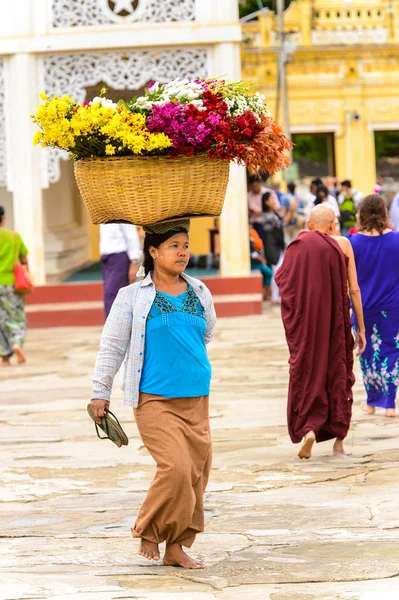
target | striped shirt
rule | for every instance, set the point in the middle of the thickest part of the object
(123, 337)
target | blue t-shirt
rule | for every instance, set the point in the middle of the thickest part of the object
(176, 363)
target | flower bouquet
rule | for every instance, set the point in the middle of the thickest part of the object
(165, 154)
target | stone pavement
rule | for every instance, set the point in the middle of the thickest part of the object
(277, 528)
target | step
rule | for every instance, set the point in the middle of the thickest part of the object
(80, 304)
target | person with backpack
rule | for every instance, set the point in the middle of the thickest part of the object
(348, 200)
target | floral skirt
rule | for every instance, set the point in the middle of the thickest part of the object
(380, 361)
(12, 320)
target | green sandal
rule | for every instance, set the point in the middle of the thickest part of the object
(111, 427)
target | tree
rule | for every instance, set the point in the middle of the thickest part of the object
(246, 7)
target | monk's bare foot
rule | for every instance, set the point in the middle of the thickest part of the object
(149, 550)
(176, 557)
(368, 410)
(390, 412)
(19, 354)
(5, 361)
(307, 445)
(339, 450)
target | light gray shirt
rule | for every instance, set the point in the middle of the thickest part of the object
(123, 337)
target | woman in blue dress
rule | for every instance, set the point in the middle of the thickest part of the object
(159, 328)
(376, 249)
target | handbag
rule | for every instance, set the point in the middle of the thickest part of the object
(23, 283)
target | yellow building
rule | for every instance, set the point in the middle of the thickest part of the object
(343, 76)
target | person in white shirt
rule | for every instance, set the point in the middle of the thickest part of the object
(323, 197)
(394, 212)
(121, 253)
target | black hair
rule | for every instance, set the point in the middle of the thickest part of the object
(317, 182)
(254, 179)
(265, 198)
(373, 214)
(321, 188)
(2, 213)
(291, 187)
(155, 240)
(346, 183)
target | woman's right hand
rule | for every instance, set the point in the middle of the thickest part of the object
(98, 407)
(360, 343)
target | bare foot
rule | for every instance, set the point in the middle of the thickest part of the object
(368, 410)
(149, 550)
(339, 450)
(19, 354)
(390, 412)
(176, 557)
(5, 361)
(306, 449)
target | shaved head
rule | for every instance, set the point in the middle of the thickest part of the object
(322, 218)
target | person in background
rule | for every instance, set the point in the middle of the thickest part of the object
(276, 187)
(121, 253)
(348, 200)
(294, 213)
(394, 212)
(12, 304)
(323, 197)
(311, 196)
(318, 272)
(273, 238)
(376, 249)
(379, 186)
(331, 185)
(256, 190)
(258, 261)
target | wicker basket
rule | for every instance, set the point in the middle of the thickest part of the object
(147, 189)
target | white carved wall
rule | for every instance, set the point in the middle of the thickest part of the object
(86, 13)
(3, 166)
(72, 73)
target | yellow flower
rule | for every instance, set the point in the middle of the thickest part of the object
(109, 149)
(38, 138)
(82, 129)
(43, 96)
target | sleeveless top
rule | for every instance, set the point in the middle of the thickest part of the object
(176, 363)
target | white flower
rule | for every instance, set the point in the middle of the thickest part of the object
(104, 101)
(154, 87)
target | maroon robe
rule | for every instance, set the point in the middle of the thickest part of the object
(315, 307)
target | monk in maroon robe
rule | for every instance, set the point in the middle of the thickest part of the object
(313, 284)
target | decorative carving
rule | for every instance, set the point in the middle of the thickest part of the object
(334, 37)
(315, 111)
(3, 165)
(130, 70)
(86, 13)
(301, 68)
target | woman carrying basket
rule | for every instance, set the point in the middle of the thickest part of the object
(159, 328)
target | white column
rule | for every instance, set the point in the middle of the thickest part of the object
(234, 236)
(24, 159)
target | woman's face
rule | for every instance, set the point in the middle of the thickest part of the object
(173, 255)
(272, 203)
